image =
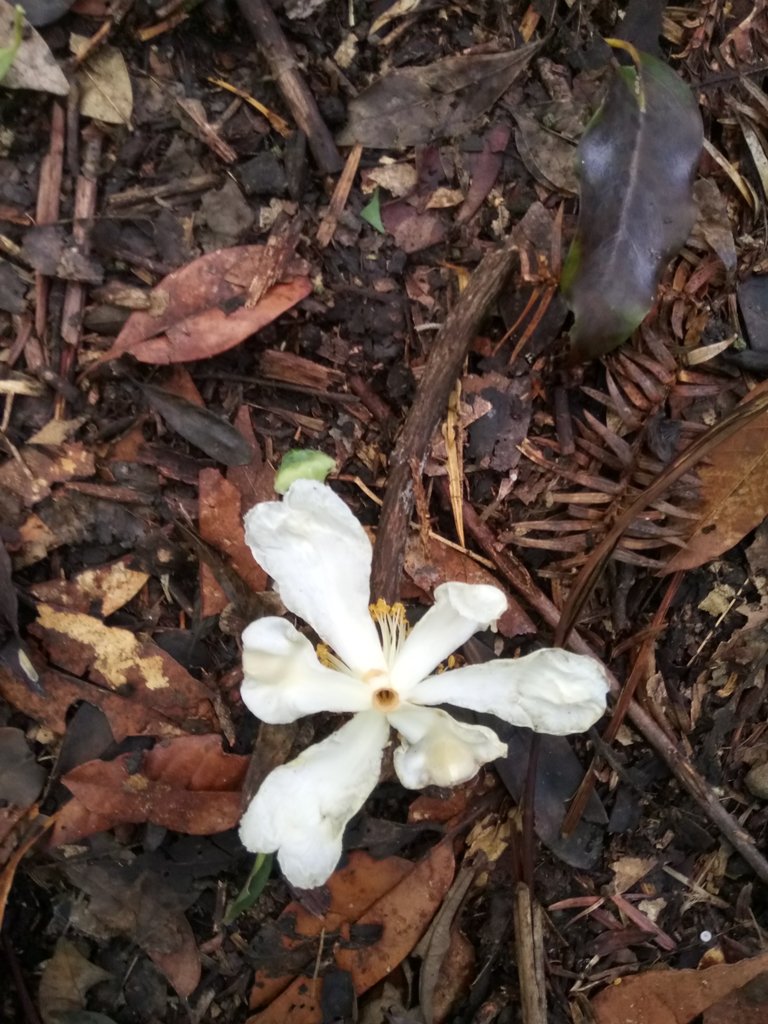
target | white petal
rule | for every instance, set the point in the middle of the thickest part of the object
(552, 690)
(283, 679)
(302, 808)
(459, 611)
(320, 559)
(437, 750)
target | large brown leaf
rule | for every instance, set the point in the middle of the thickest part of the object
(733, 493)
(673, 997)
(399, 917)
(636, 164)
(200, 310)
(134, 668)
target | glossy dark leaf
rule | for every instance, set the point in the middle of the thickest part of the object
(636, 161)
(207, 431)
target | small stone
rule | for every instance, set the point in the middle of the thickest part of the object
(263, 175)
(756, 781)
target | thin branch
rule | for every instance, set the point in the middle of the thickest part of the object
(443, 367)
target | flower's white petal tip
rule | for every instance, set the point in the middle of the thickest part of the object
(550, 691)
(302, 808)
(478, 602)
(283, 679)
(319, 556)
(436, 750)
(459, 611)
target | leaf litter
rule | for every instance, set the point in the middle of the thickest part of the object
(128, 581)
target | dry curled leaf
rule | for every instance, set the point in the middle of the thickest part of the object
(147, 685)
(143, 908)
(733, 493)
(188, 784)
(65, 981)
(34, 66)
(393, 924)
(673, 997)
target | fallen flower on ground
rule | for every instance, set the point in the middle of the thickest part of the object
(319, 556)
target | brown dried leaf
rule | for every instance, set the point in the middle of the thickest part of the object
(118, 660)
(145, 910)
(415, 105)
(128, 715)
(221, 525)
(673, 997)
(352, 890)
(65, 981)
(402, 914)
(101, 591)
(733, 493)
(186, 784)
(32, 475)
(203, 311)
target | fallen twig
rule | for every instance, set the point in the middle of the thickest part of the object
(529, 947)
(443, 367)
(48, 204)
(277, 52)
(339, 198)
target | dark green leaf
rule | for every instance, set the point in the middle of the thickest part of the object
(252, 889)
(637, 161)
(208, 432)
(372, 213)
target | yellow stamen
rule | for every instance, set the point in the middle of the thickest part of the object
(393, 612)
(392, 625)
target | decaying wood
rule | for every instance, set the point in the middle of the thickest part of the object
(48, 203)
(443, 367)
(277, 52)
(529, 953)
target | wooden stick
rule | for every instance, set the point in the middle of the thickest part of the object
(48, 204)
(529, 947)
(277, 52)
(443, 367)
(339, 198)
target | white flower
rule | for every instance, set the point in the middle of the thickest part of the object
(320, 559)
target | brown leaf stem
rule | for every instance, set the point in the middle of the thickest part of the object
(277, 52)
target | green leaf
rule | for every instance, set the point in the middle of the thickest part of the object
(8, 53)
(372, 213)
(252, 889)
(637, 161)
(302, 464)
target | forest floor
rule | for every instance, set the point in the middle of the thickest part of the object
(243, 232)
